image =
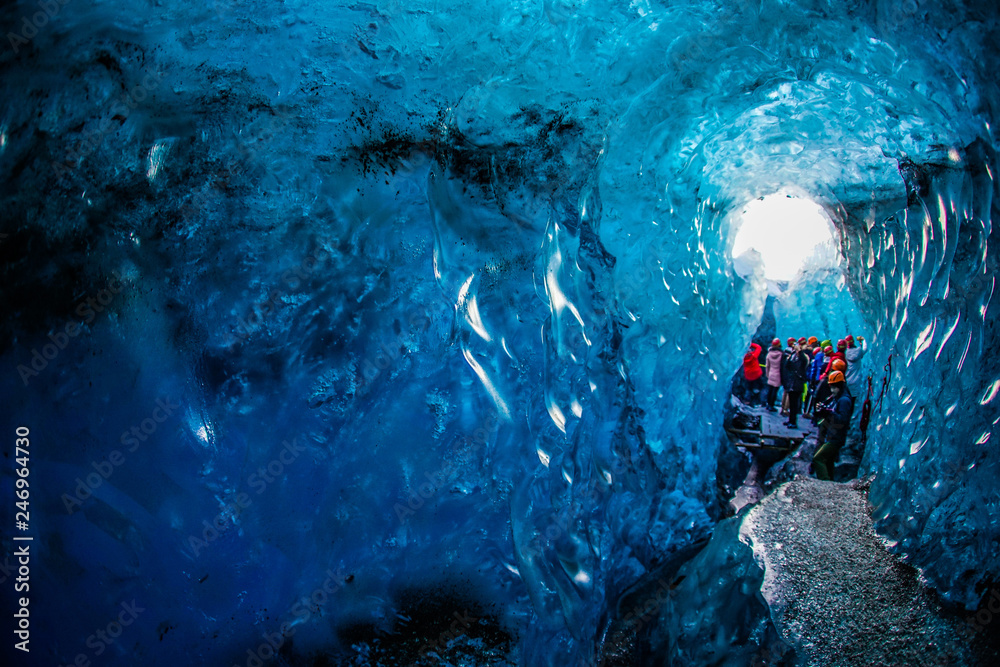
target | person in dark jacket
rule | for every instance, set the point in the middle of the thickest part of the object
(753, 375)
(815, 368)
(804, 348)
(789, 350)
(836, 419)
(823, 386)
(798, 368)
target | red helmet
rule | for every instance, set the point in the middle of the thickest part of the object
(841, 344)
(791, 341)
(849, 339)
(817, 352)
(827, 350)
(802, 341)
(776, 342)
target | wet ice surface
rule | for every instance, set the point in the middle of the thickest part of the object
(834, 591)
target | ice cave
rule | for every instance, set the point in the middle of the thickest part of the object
(413, 333)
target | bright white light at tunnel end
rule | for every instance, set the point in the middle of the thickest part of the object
(788, 232)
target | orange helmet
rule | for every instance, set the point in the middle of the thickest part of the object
(836, 377)
(839, 365)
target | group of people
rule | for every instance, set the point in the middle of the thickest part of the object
(818, 381)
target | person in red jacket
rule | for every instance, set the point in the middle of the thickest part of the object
(753, 375)
(839, 354)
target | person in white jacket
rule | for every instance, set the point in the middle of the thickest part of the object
(854, 353)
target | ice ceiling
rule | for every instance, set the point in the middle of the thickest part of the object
(463, 271)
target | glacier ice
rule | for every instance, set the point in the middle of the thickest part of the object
(444, 295)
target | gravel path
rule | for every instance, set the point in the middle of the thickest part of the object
(834, 591)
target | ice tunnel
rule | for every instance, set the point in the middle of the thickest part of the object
(404, 333)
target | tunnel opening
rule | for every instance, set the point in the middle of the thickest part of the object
(809, 307)
(786, 233)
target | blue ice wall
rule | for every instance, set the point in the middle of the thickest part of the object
(930, 279)
(442, 293)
